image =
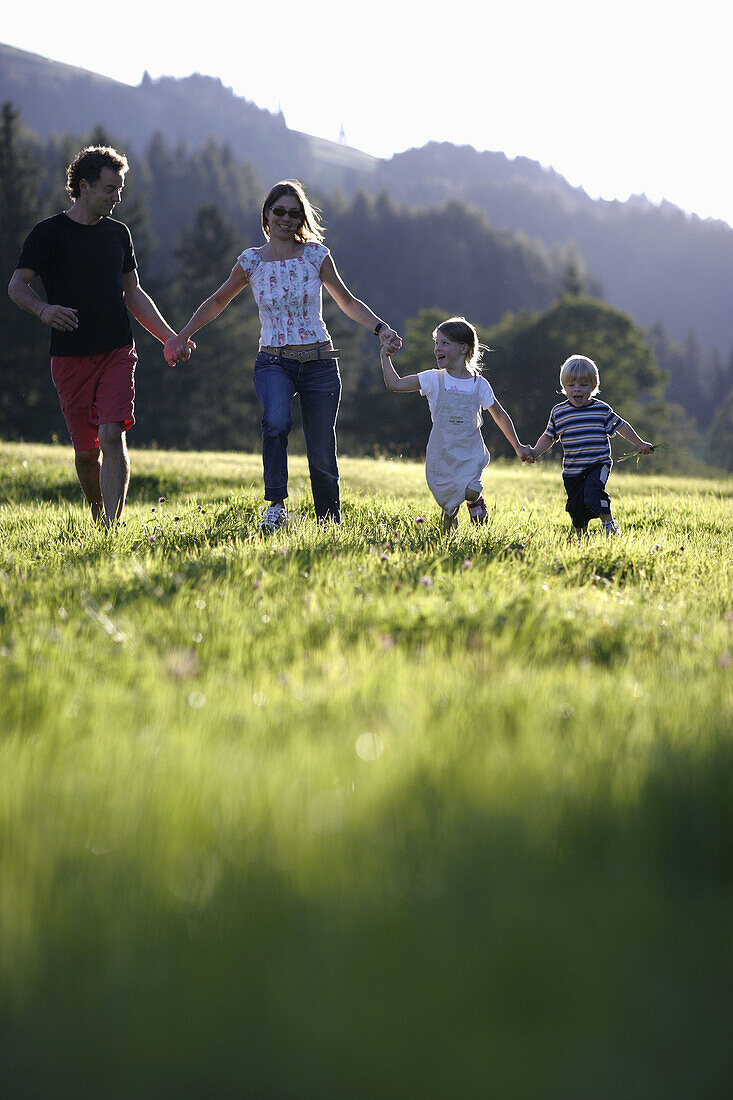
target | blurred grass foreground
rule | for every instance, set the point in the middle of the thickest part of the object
(364, 811)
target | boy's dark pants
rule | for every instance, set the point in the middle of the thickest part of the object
(587, 496)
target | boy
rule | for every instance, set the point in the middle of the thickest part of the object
(584, 425)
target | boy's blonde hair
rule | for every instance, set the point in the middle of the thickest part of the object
(461, 331)
(579, 368)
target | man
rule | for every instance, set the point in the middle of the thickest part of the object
(86, 260)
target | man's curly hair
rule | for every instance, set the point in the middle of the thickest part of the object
(88, 164)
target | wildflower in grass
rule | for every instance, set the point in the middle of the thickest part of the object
(182, 663)
(369, 746)
(176, 519)
(418, 519)
(383, 557)
(426, 582)
(161, 500)
(467, 564)
(151, 538)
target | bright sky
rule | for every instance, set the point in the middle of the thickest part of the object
(626, 98)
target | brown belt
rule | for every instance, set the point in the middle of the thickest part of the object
(305, 356)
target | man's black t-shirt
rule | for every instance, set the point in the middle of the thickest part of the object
(81, 266)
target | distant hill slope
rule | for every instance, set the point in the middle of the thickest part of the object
(658, 263)
(57, 98)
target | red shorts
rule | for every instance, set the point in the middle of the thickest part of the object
(94, 390)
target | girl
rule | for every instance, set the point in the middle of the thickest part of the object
(296, 354)
(456, 454)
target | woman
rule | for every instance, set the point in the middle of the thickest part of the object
(296, 354)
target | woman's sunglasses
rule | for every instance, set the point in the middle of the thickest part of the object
(281, 212)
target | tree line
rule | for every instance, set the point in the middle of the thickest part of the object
(192, 211)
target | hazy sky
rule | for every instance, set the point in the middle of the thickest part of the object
(623, 98)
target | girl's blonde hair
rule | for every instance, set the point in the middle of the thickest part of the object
(310, 228)
(579, 368)
(461, 331)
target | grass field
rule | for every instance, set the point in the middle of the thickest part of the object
(365, 811)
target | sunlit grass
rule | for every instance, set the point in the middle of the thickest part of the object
(362, 810)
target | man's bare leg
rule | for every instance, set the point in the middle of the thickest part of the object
(87, 470)
(115, 470)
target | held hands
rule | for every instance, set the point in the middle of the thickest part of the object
(526, 453)
(61, 318)
(176, 349)
(389, 341)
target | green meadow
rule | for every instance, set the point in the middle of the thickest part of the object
(369, 810)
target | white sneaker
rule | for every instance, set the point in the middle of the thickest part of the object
(610, 529)
(275, 515)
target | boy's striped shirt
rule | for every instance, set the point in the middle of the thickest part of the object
(585, 433)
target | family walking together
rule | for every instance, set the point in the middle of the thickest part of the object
(86, 262)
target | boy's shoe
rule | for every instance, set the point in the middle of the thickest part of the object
(610, 529)
(275, 515)
(449, 519)
(477, 510)
(581, 532)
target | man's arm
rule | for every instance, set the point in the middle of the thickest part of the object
(20, 291)
(143, 309)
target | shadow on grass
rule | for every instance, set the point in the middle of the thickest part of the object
(562, 943)
(143, 487)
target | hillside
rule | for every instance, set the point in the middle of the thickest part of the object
(58, 98)
(656, 262)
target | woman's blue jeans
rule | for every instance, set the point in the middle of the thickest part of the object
(318, 385)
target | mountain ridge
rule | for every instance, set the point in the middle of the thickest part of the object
(656, 261)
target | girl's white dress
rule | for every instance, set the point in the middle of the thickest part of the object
(456, 454)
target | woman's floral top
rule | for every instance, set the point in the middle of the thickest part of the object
(288, 295)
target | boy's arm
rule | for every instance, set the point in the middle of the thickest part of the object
(409, 384)
(504, 422)
(543, 444)
(628, 432)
